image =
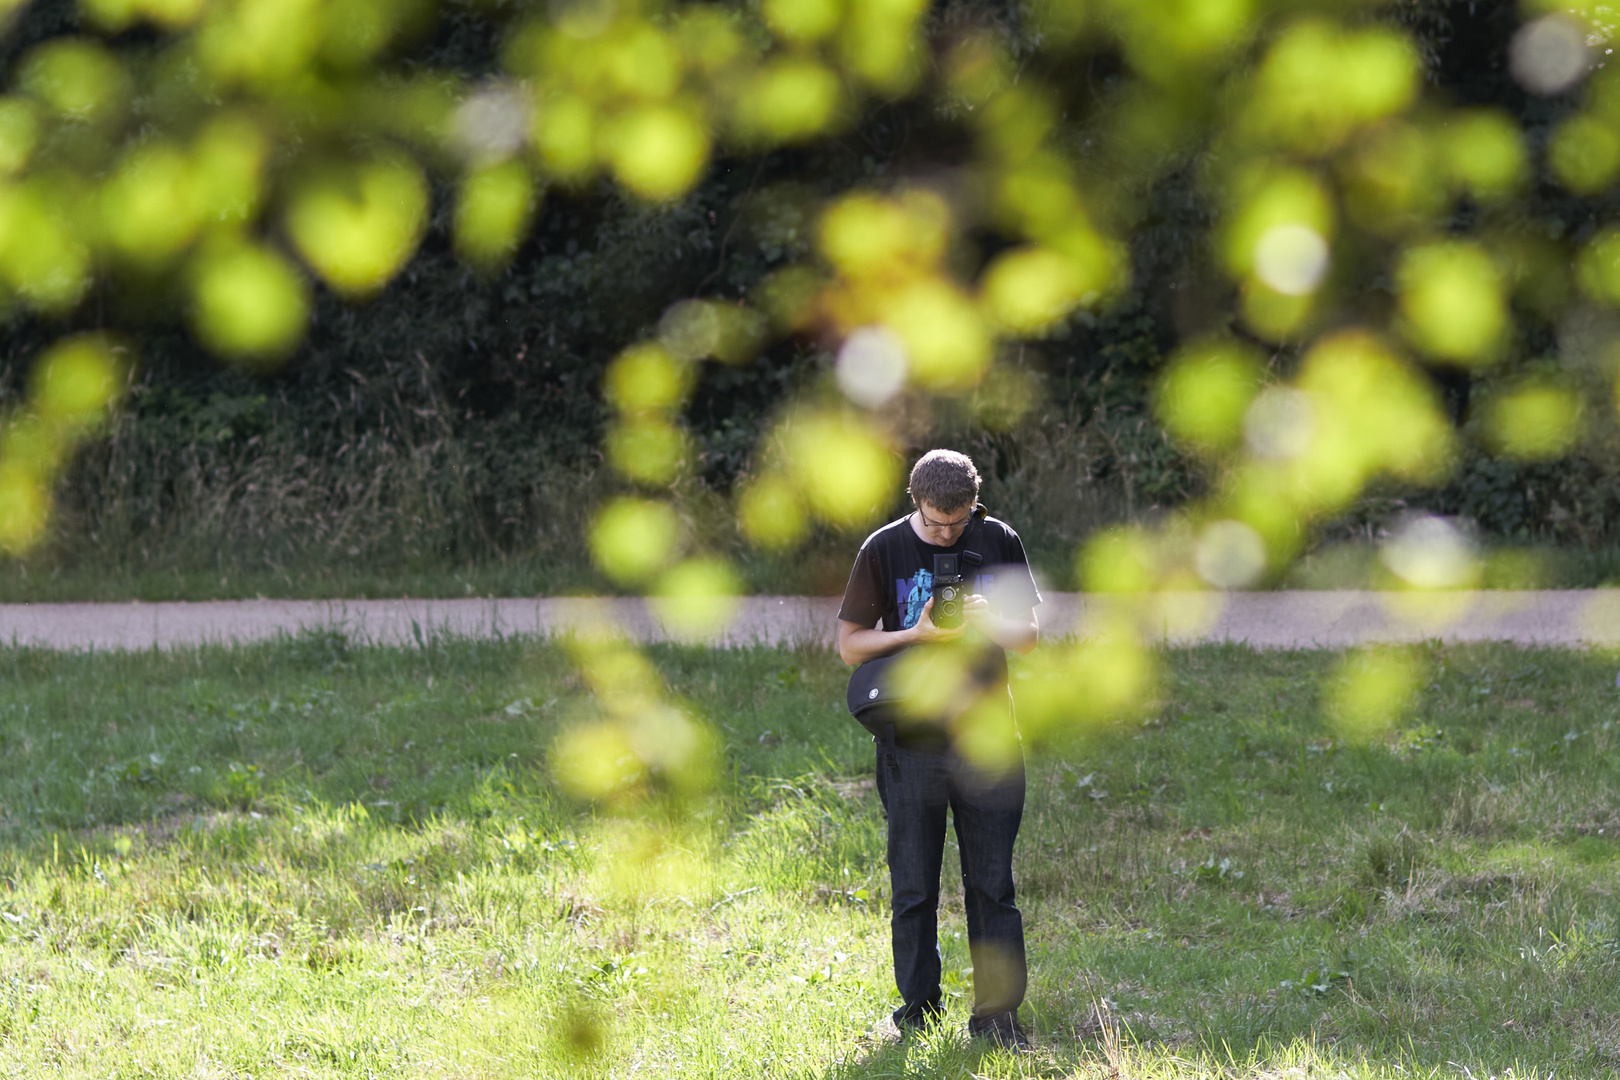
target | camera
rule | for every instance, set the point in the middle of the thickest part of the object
(950, 594)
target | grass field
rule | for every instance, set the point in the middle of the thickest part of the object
(314, 859)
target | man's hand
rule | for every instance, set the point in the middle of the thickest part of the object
(925, 632)
(858, 644)
(1018, 635)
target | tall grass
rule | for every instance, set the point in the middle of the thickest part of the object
(385, 485)
(392, 475)
(393, 487)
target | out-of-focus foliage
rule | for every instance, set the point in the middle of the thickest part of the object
(1283, 148)
(1279, 260)
(1369, 693)
(71, 387)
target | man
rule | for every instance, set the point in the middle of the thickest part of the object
(888, 606)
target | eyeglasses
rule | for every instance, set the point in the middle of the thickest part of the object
(944, 524)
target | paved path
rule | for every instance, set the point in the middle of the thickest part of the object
(1266, 620)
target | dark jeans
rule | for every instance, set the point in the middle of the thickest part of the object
(917, 786)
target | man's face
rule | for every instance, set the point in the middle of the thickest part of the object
(943, 527)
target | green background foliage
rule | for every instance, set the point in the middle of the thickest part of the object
(454, 420)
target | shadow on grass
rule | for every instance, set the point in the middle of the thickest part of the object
(949, 1053)
(449, 727)
(940, 1054)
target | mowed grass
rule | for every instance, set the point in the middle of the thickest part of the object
(312, 859)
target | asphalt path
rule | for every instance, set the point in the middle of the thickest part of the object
(1271, 620)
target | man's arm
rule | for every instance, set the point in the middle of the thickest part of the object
(1017, 634)
(857, 644)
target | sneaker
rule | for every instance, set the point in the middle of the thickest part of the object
(927, 1020)
(1002, 1030)
(890, 1030)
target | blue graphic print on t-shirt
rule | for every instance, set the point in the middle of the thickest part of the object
(913, 595)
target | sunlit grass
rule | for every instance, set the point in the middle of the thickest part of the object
(309, 858)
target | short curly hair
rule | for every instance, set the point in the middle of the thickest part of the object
(945, 480)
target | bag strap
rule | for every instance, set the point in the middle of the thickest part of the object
(890, 757)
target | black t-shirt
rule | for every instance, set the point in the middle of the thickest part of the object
(894, 574)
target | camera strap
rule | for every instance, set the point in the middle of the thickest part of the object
(970, 557)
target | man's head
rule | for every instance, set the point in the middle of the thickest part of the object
(944, 486)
